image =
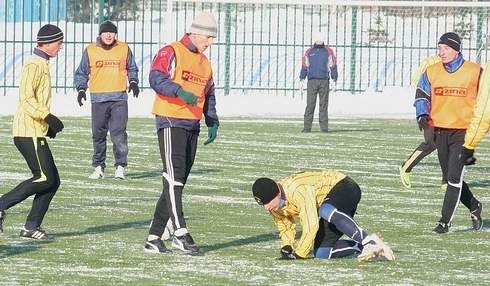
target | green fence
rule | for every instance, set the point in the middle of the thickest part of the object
(260, 43)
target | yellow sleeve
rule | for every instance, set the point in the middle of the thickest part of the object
(422, 67)
(308, 216)
(480, 123)
(287, 229)
(28, 89)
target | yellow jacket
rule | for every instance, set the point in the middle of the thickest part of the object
(480, 123)
(305, 192)
(34, 98)
(427, 62)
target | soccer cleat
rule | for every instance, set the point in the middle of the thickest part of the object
(375, 249)
(2, 218)
(405, 178)
(476, 217)
(305, 131)
(441, 227)
(156, 246)
(97, 174)
(119, 174)
(37, 233)
(185, 243)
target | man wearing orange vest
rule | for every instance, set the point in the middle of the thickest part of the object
(105, 69)
(445, 97)
(182, 78)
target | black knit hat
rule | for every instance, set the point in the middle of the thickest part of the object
(107, 26)
(264, 190)
(49, 34)
(452, 40)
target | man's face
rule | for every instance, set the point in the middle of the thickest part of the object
(107, 38)
(202, 42)
(52, 49)
(447, 53)
(274, 204)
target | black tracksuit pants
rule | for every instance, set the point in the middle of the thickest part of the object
(449, 143)
(178, 149)
(43, 184)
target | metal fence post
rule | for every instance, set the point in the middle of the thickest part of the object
(353, 50)
(227, 48)
(101, 11)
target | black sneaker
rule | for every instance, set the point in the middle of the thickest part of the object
(156, 246)
(2, 217)
(306, 131)
(37, 233)
(476, 217)
(185, 243)
(441, 227)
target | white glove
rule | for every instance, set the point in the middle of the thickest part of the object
(333, 87)
(301, 85)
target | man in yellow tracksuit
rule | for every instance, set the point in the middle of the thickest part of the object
(478, 128)
(33, 122)
(428, 146)
(307, 196)
(445, 98)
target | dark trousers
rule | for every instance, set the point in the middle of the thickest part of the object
(345, 196)
(316, 87)
(110, 116)
(178, 151)
(449, 143)
(43, 184)
(424, 149)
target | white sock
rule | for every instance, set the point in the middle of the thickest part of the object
(153, 237)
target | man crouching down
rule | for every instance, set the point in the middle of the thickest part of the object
(327, 194)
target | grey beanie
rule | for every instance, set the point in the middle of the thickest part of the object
(204, 24)
(49, 34)
(107, 26)
(452, 40)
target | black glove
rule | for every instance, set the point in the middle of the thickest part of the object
(55, 125)
(287, 253)
(467, 157)
(81, 95)
(51, 133)
(134, 87)
(423, 121)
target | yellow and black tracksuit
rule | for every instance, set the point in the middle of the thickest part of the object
(428, 145)
(480, 123)
(324, 202)
(29, 131)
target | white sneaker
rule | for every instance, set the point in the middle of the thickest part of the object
(97, 174)
(375, 249)
(119, 174)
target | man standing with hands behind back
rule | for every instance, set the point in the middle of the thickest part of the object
(319, 64)
(182, 78)
(105, 69)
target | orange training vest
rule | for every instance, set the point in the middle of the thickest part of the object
(108, 68)
(453, 95)
(192, 72)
